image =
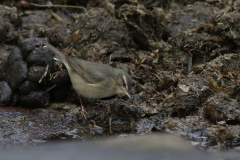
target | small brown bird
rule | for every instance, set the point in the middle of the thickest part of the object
(94, 80)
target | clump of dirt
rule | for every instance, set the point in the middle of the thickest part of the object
(96, 26)
(10, 22)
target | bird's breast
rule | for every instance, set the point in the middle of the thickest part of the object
(98, 90)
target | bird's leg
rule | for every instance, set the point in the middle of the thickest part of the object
(108, 111)
(106, 106)
(83, 111)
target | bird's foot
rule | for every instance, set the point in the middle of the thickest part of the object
(83, 112)
(108, 112)
(108, 109)
(106, 106)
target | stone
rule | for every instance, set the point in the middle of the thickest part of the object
(5, 93)
(16, 74)
(62, 79)
(35, 100)
(14, 56)
(41, 57)
(36, 73)
(27, 87)
(29, 44)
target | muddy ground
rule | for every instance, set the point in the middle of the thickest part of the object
(183, 57)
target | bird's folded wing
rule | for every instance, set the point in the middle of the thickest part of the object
(87, 70)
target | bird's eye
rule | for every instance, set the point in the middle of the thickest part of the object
(124, 84)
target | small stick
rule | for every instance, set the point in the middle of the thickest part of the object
(51, 88)
(58, 6)
(45, 73)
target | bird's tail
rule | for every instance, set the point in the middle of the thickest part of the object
(59, 53)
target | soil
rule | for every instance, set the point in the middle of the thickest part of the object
(182, 56)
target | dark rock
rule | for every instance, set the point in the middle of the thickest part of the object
(58, 64)
(13, 57)
(2, 70)
(14, 100)
(60, 94)
(41, 57)
(16, 74)
(5, 93)
(36, 73)
(29, 44)
(62, 79)
(35, 100)
(27, 87)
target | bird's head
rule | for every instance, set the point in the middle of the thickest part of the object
(123, 83)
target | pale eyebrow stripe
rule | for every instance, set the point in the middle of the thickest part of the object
(125, 79)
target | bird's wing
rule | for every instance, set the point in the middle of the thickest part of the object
(78, 68)
(91, 72)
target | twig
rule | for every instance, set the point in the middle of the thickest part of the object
(232, 32)
(51, 88)
(57, 17)
(57, 74)
(59, 6)
(54, 75)
(44, 75)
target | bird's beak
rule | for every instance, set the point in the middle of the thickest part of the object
(126, 92)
